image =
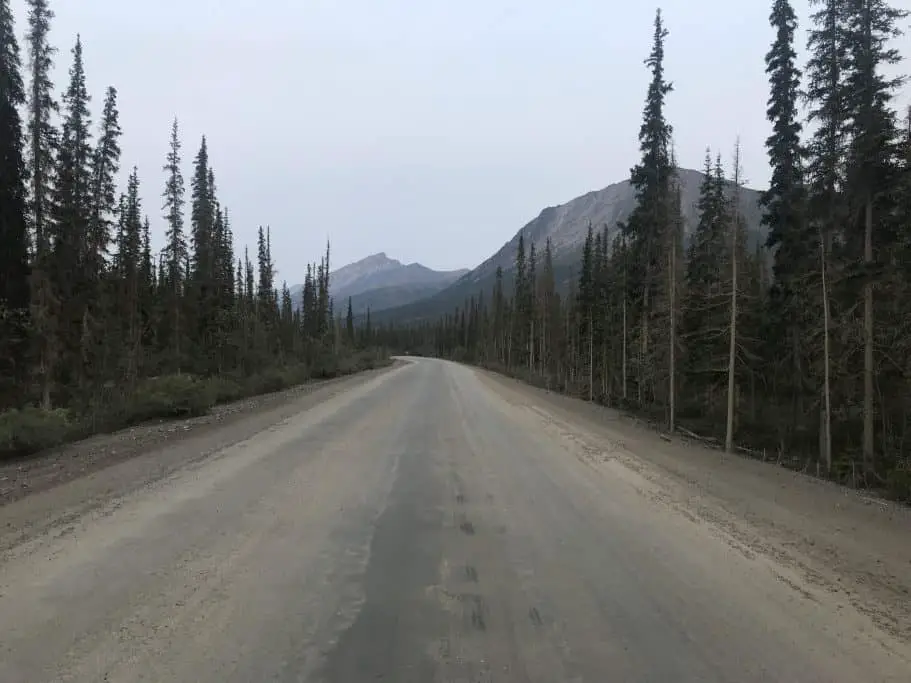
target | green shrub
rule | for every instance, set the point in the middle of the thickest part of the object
(226, 389)
(898, 481)
(32, 429)
(267, 382)
(170, 396)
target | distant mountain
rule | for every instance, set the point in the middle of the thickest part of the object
(383, 298)
(379, 282)
(566, 225)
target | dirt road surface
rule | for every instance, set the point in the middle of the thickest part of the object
(434, 523)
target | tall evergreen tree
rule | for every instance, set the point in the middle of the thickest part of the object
(130, 271)
(586, 303)
(68, 264)
(202, 279)
(14, 266)
(520, 321)
(651, 179)
(785, 214)
(549, 311)
(41, 107)
(704, 316)
(175, 246)
(870, 26)
(105, 166)
(42, 145)
(98, 318)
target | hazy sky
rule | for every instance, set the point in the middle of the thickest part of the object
(429, 129)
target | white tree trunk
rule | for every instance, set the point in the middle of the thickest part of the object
(672, 304)
(591, 358)
(827, 417)
(868, 340)
(732, 352)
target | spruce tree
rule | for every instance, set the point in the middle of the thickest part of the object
(98, 315)
(705, 313)
(70, 230)
(785, 214)
(105, 166)
(531, 303)
(14, 265)
(202, 276)
(783, 201)
(648, 223)
(129, 269)
(870, 26)
(175, 246)
(499, 318)
(42, 135)
(42, 145)
(586, 302)
(520, 323)
(549, 305)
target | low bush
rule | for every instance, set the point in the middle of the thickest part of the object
(32, 429)
(29, 430)
(170, 396)
(226, 389)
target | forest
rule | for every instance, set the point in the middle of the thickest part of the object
(96, 330)
(798, 352)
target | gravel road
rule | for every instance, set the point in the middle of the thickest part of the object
(434, 523)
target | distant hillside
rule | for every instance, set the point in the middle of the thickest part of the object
(566, 225)
(380, 282)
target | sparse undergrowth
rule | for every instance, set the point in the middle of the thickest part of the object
(31, 429)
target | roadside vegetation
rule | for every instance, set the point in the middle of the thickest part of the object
(97, 331)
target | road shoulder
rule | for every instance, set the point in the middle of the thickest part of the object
(834, 539)
(49, 492)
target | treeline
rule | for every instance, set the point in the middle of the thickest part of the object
(800, 349)
(96, 329)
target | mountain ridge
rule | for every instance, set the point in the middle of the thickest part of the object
(393, 282)
(566, 225)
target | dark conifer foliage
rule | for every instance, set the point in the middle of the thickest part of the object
(42, 146)
(14, 239)
(70, 231)
(792, 306)
(42, 136)
(648, 225)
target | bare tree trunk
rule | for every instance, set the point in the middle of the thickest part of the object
(591, 358)
(729, 433)
(543, 353)
(643, 344)
(672, 304)
(827, 418)
(176, 302)
(732, 352)
(868, 453)
(624, 370)
(531, 346)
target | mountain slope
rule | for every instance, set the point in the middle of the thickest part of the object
(566, 225)
(383, 298)
(378, 282)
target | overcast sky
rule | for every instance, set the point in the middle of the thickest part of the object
(428, 129)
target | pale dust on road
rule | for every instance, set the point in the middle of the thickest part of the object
(437, 523)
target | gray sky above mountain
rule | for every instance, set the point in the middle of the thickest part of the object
(428, 129)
